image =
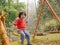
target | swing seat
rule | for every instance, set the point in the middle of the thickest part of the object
(16, 34)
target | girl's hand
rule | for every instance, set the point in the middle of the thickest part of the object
(15, 25)
(27, 21)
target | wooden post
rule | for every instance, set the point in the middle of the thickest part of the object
(35, 31)
(5, 39)
(53, 11)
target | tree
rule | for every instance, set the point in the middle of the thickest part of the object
(3, 33)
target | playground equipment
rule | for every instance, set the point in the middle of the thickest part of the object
(55, 15)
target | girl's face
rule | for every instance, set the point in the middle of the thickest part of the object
(23, 16)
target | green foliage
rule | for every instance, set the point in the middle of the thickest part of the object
(12, 14)
(51, 25)
(20, 6)
(12, 9)
(58, 26)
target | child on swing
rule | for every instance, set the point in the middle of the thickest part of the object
(20, 24)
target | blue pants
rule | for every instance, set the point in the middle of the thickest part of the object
(24, 34)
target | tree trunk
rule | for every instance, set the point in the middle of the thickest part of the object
(5, 39)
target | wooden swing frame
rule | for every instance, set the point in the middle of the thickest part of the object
(54, 14)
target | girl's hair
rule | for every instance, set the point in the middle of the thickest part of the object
(20, 13)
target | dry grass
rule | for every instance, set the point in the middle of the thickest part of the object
(46, 39)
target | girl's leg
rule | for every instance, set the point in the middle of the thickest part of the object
(22, 36)
(27, 37)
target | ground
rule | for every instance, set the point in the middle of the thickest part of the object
(49, 39)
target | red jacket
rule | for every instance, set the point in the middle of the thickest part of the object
(20, 23)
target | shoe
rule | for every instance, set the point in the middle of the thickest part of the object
(29, 44)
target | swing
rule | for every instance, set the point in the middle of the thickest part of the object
(14, 33)
(57, 18)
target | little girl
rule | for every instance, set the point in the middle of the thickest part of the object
(21, 25)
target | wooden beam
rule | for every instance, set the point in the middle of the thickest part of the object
(53, 11)
(35, 31)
